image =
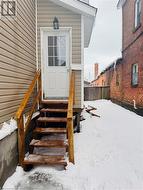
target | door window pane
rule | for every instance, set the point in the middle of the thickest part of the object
(55, 40)
(62, 51)
(56, 51)
(62, 41)
(50, 51)
(50, 61)
(50, 41)
(62, 61)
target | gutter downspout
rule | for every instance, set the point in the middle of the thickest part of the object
(135, 105)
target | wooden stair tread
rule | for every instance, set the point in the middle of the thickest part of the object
(50, 130)
(43, 159)
(53, 110)
(52, 119)
(48, 143)
(54, 101)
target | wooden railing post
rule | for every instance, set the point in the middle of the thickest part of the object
(70, 130)
(21, 140)
(70, 140)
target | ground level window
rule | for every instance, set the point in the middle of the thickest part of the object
(134, 74)
(8, 8)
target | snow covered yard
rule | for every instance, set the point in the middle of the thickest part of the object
(108, 155)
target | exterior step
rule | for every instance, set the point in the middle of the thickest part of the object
(48, 143)
(36, 159)
(50, 130)
(52, 119)
(54, 102)
(54, 110)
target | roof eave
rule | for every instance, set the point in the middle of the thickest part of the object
(77, 6)
(88, 28)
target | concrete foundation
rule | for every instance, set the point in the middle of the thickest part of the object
(8, 157)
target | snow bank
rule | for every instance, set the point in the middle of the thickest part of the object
(7, 129)
(13, 181)
(108, 155)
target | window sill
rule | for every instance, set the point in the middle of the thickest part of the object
(134, 85)
(136, 28)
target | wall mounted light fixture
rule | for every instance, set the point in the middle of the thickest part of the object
(55, 23)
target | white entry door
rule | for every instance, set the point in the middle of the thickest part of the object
(56, 64)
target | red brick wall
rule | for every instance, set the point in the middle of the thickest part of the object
(128, 19)
(132, 55)
(100, 81)
(116, 91)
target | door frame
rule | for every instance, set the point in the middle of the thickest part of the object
(50, 29)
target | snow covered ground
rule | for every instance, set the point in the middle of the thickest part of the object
(8, 128)
(108, 154)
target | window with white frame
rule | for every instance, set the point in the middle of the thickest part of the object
(8, 8)
(56, 51)
(137, 13)
(135, 74)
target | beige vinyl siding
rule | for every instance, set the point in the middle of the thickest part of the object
(78, 89)
(17, 57)
(47, 10)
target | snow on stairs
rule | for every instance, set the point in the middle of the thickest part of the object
(48, 143)
(52, 119)
(52, 113)
(50, 131)
(35, 159)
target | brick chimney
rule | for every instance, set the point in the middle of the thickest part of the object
(95, 70)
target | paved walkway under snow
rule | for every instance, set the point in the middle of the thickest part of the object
(108, 154)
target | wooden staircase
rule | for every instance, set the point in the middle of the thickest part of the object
(52, 142)
(53, 116)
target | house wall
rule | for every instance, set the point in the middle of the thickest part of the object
(46, 13)
(109, 78)
(17, 69)
(132, 54)
(17, 57)
(129, 32)
(99, 81)
(116, 88)
(103, 79)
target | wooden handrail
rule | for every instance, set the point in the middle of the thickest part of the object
(23, 128)
(70, 117)
(27, 95)
(31, 112)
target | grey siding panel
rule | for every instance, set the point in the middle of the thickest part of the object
(46, 13)
(17, 57)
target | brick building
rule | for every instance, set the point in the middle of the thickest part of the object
(125, 77)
